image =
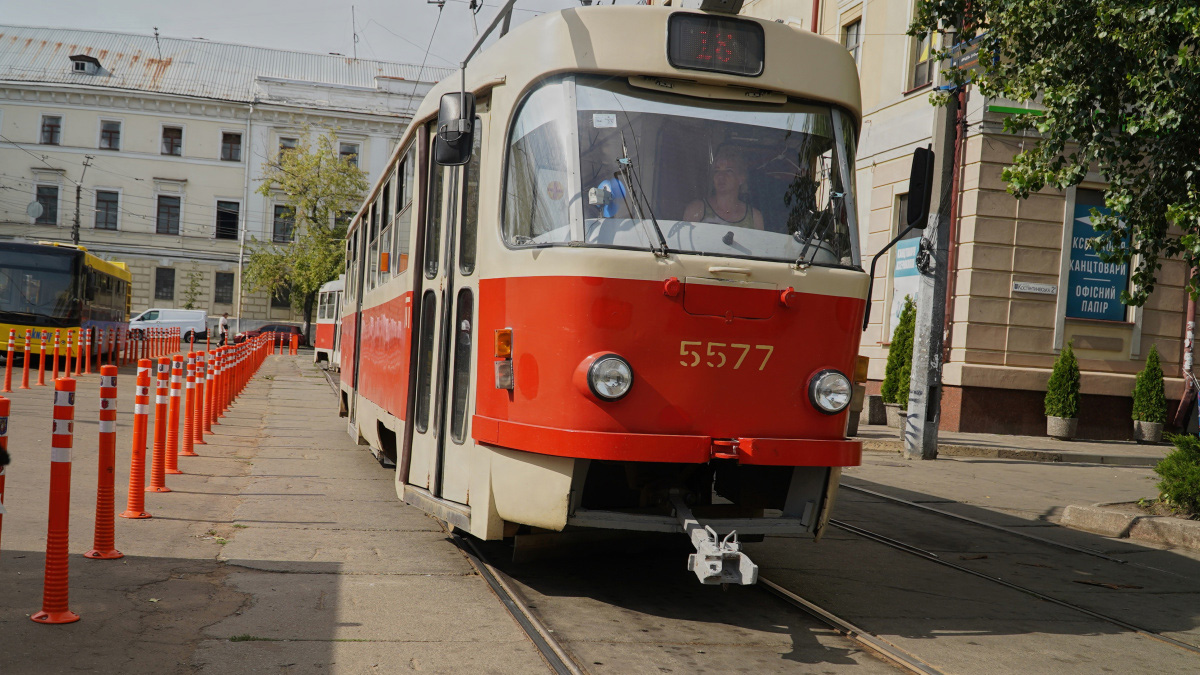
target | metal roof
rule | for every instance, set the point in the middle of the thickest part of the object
(202, 68)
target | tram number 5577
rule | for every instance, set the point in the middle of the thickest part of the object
(717, 350)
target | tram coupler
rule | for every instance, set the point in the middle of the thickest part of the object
(716, 560)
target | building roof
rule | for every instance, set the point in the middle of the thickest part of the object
(198, 67)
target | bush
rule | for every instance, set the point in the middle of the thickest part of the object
(1180, 473)
(899, 363)
(1062, 391)
(1149, 400)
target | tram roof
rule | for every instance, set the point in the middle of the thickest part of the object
(599, 39)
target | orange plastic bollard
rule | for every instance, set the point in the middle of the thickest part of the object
(158, 475)
(210, 378)
(25, 363)
(70, 348)
(8, 359)
(88, 354)
(173, 415)
(42, 359)
(104, 538)
(219, 385)
(198, 410)
(57, 337)
(79, 353)
(54, 591)
(189, 407)
(5, 404)
(136, 505)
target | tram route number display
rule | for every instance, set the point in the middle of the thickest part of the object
(716, 350)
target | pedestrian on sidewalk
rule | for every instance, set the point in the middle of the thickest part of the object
(223, 329)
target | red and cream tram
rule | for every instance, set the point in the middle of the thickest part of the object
(329, 320)
(637, 303)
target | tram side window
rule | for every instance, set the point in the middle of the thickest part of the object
(470, 226)
(536, 202)
(433, 229)
(404, 209)
(372, 250)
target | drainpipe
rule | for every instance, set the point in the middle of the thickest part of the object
(245, 221)
(816, 16)
(1189, 341)
(955, 206)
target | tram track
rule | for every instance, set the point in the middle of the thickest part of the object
(934, 558)
(559, 661)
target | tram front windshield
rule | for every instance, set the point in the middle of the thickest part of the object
(38, 288)
(598, 161)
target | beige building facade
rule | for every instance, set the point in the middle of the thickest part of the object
(1022, 283)
(164, 141)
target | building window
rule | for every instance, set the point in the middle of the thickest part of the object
(282, 299)
(51, 130)
(227, 219)
(168, 215)
(110, 135)
(47, 196)
(223, 288)
(172, 141)
(349, 152)
(287, 143)
(852, 38)
(922, 73)
(164, 283)
(107, 203)
(231, 147)
(282, 226)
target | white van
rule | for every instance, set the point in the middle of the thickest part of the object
(188, 321)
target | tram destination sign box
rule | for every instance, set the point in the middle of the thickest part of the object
(1093, 285)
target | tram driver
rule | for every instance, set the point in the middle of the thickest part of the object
(726, 202)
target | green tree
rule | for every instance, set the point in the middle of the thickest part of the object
(1119, 82)
(318, 186)
(193, 289)
(1180, 473)
(898, 374)
(1062, 391)
(1149, 399)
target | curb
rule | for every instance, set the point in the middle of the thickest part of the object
(1164, 530)
(951, 450)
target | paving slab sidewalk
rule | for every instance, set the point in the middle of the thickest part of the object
(878, 438)
(282, 548)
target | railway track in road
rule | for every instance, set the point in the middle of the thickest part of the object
(559, 660)
(936, 559)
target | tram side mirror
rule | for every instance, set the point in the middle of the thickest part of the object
(920, 184)
(455, 130)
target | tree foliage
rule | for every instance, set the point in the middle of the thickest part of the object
(317, 186)
(1180, 473)
(1120, 84)
(898, 374)
(1149, 398)
(1062, 391)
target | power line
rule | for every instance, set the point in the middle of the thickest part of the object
(408, 109)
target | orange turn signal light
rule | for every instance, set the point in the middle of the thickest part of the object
(861, 363)
(504, 343)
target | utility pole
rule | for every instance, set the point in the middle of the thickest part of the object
(925, 389)
(78, 190)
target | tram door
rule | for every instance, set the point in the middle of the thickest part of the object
(444, 397)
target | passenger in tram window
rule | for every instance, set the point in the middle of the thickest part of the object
(725, 204)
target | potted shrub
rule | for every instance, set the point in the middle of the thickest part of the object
(899, 366)
(1062, 396)
(1149, 401)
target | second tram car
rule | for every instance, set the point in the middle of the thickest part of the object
(637, 303)
(329, 321)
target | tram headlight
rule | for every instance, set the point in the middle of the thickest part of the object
(610, 377)
(830, 391)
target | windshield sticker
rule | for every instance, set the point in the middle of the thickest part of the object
(555, 190)
(604, 120)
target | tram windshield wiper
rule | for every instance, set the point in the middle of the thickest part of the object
(627, 171)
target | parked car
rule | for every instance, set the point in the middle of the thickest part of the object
(189, 322)
(282, 332)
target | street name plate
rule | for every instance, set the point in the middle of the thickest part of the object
(1031, 287)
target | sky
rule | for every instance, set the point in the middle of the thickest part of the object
(388, 30)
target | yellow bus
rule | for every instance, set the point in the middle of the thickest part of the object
(50, 287)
